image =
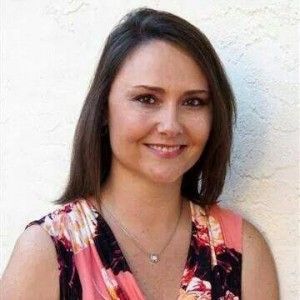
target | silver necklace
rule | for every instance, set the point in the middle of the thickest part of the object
(154, 257)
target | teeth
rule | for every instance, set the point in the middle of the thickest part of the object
(165, 148)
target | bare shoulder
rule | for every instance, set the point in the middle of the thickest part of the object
(259, 276)
(33, 260)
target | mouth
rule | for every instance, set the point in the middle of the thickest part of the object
(166, 151)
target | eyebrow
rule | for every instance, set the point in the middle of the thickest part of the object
(162, 91)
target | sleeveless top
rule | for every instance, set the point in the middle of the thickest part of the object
(92, 265)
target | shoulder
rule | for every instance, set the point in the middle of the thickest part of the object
(258, 275)
(44, 252)
(67, 219)
(33, 259)
(255, 245)
(258, 268)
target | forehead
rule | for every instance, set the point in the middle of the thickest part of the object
(161, 63)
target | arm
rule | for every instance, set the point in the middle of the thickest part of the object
(32, 272)
(259, 277)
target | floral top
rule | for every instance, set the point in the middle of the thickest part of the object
(92, 265)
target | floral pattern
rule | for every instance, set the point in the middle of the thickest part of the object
(92, 265)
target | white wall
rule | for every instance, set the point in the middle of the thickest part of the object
(49, 50)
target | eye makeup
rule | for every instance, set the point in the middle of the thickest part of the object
(149, 99)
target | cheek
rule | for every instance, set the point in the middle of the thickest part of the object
(127, 126)
(199, 129)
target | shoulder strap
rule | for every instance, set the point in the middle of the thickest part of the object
(231, 225)
(54, 224)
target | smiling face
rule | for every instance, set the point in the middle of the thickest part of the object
(159, 98)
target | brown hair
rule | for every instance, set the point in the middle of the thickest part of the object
(91, 156)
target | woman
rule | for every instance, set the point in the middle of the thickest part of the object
(134, 222)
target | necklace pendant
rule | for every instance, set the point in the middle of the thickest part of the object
(154, 258)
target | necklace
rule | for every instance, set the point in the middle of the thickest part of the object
(154, 257)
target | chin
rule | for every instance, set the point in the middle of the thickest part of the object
(164, 177)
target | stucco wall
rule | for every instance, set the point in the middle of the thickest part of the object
(49, 50)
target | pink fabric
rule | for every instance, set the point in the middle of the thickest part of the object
(88, 265)
(231, 224)
(92, 273)
(83, 238)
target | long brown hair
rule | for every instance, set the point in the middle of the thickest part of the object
(91, 155)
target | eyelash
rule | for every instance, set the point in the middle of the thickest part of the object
(138, 98)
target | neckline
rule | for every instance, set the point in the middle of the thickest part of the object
(117, 245)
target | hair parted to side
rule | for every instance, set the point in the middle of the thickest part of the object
(92, 154)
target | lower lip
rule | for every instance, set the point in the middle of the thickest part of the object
(170, 154)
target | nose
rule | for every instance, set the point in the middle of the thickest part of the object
(169, 123)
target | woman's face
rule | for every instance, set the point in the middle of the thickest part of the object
(159, 113)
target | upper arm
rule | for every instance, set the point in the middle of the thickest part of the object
(259, 276)
(32, 272)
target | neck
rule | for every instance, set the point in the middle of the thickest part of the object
(147, 207)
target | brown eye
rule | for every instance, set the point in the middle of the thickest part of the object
(145, 99)
(195, 102)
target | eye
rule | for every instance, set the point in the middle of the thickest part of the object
(145, 99)
(195, 102)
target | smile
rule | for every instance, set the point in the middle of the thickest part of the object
(166, 151)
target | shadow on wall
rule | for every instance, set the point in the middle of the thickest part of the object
(250, 142)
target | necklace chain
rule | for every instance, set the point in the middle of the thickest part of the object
(152, 256)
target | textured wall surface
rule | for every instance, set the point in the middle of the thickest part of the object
(49, 50)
